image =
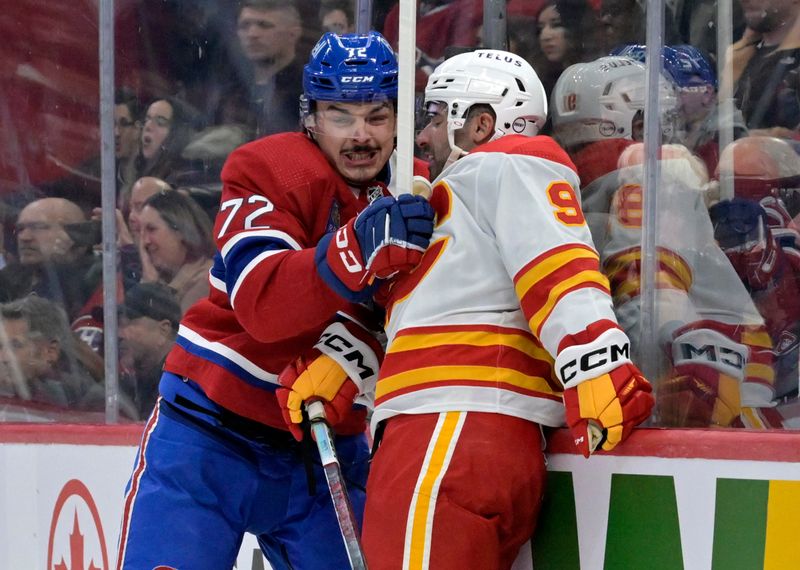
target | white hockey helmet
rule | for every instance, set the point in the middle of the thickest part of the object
(497, 78)
(600, 99)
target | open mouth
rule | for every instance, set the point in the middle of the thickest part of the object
(360, 157)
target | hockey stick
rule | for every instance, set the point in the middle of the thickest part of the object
(407, 58)
(597, 436)
(336, 485)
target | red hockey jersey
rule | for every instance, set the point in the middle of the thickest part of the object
(267, 303)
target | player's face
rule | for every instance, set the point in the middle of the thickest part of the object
(433, 140)
(357, 138)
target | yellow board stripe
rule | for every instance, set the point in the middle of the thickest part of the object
(550, 264)
(416, 555)
(783, 513)
(584, 277)
(488, 374)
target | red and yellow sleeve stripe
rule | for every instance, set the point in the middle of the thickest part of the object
(543, 282)
(482, 356)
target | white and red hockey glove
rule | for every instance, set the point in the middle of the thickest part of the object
(705, 385)
(388, 237)
(341, 366)
(605, 395)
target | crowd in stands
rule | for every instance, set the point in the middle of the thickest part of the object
(226, 75)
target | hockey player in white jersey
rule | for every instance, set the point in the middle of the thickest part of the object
(506, 325)
(713, 348)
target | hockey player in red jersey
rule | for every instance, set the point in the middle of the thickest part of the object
(507, 324)
(307, 230)
(702, 309)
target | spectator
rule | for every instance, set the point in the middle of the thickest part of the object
(144, 187)
(176, 239)
(167, 129)
(522, 18)
(263, 95)
(561, 31)
(38, 357)
(56, 257)
(82, 184)
(337, 16)
(623, 22)
(127, 137)
(148, 325)
(766, 68)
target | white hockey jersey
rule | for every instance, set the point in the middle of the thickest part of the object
(510, 276)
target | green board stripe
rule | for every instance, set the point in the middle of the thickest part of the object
(555, 544)
(643, 531)
(740, 524)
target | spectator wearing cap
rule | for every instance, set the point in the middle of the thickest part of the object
(148, 325)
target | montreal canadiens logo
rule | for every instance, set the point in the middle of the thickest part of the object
(518, 125)
(76, 539)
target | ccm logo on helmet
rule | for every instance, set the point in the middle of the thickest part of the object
(358, 79)
(594, 359)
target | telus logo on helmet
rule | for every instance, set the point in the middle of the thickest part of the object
(499, 57)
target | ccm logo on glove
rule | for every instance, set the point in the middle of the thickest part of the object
(578, 363)
(351, 354)
(348, 257)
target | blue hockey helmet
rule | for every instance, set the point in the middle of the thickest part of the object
(684, 64)
(351, 68)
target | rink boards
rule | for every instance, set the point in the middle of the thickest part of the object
(674, 499)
